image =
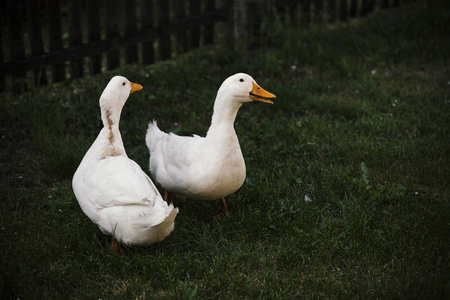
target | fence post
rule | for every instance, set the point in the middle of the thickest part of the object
(36, 42)
(164, 19)
(16, 41)
(332, 11)
(75, 35)
(237, 20)
(195, 6)
(210, 5)
(343, 16)
(180, 14)
(353, 8)
(148, 50)
(306, 13)
(131, 53)
(367, 7)
(318, 11)
(2, 79)
(93, 15)
(55, 37)
(112, 31)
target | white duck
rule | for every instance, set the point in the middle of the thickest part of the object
(211, 167)
(111, 189)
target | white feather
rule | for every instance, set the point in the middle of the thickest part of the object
(206, 168)
(112, 190)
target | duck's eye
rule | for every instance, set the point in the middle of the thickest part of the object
(123, 83)
(241, 80)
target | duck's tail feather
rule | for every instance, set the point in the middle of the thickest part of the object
(153, 136)
(163, 229)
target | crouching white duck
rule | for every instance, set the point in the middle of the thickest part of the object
(112, 189)
(211, 167)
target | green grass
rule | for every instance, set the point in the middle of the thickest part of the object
(375, 165)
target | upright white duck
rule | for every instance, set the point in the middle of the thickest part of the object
(211, 167)
(111, 189)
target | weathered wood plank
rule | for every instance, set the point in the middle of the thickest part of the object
(318, 11)
(195, 33)
(306, 13)
(353, 8)
(210, 5)
(332, 11)
(93, 14)
(75, 35)
(98, 47)
(343, 10)
(131, 52)
(179, 8)
(2, 78)
(148, 49)
(364, 9)
(164, 19)
(112, 31)
(36, 41)
(182, 37)
(16, 41)
(55, 37)
(237, 23)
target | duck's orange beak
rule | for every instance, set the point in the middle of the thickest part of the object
(135, 87)
(260, 94)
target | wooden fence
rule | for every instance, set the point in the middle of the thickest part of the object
(44, 41)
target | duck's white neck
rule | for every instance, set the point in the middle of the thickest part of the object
(224, 114)
(110, 131)
(110, 118)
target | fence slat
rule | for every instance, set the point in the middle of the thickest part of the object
(55, 37)
(131, 53)
(318, 11)
(195, 33)
(306, 13)
(35, 36)
(98, 47)
(353, 8)
(367, 7)
(180, 14)
(332, 11)
(237, 23)
(93, 15)
(112, 31)
(343, 11)
(197, 23)
(210, 5)
(75, 35)
(16, 41)
(2, 78)
(164, 19)
(148, 50)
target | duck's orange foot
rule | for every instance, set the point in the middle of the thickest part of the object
(223, 210)
(166, 196)
(116, 247)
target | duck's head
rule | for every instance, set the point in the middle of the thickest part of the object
(117, 91)
(243, 88)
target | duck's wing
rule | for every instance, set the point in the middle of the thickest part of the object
(170, 150)
(181, 152)
(171, 156)
(118, 181)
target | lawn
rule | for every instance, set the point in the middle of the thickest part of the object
(347, 189)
